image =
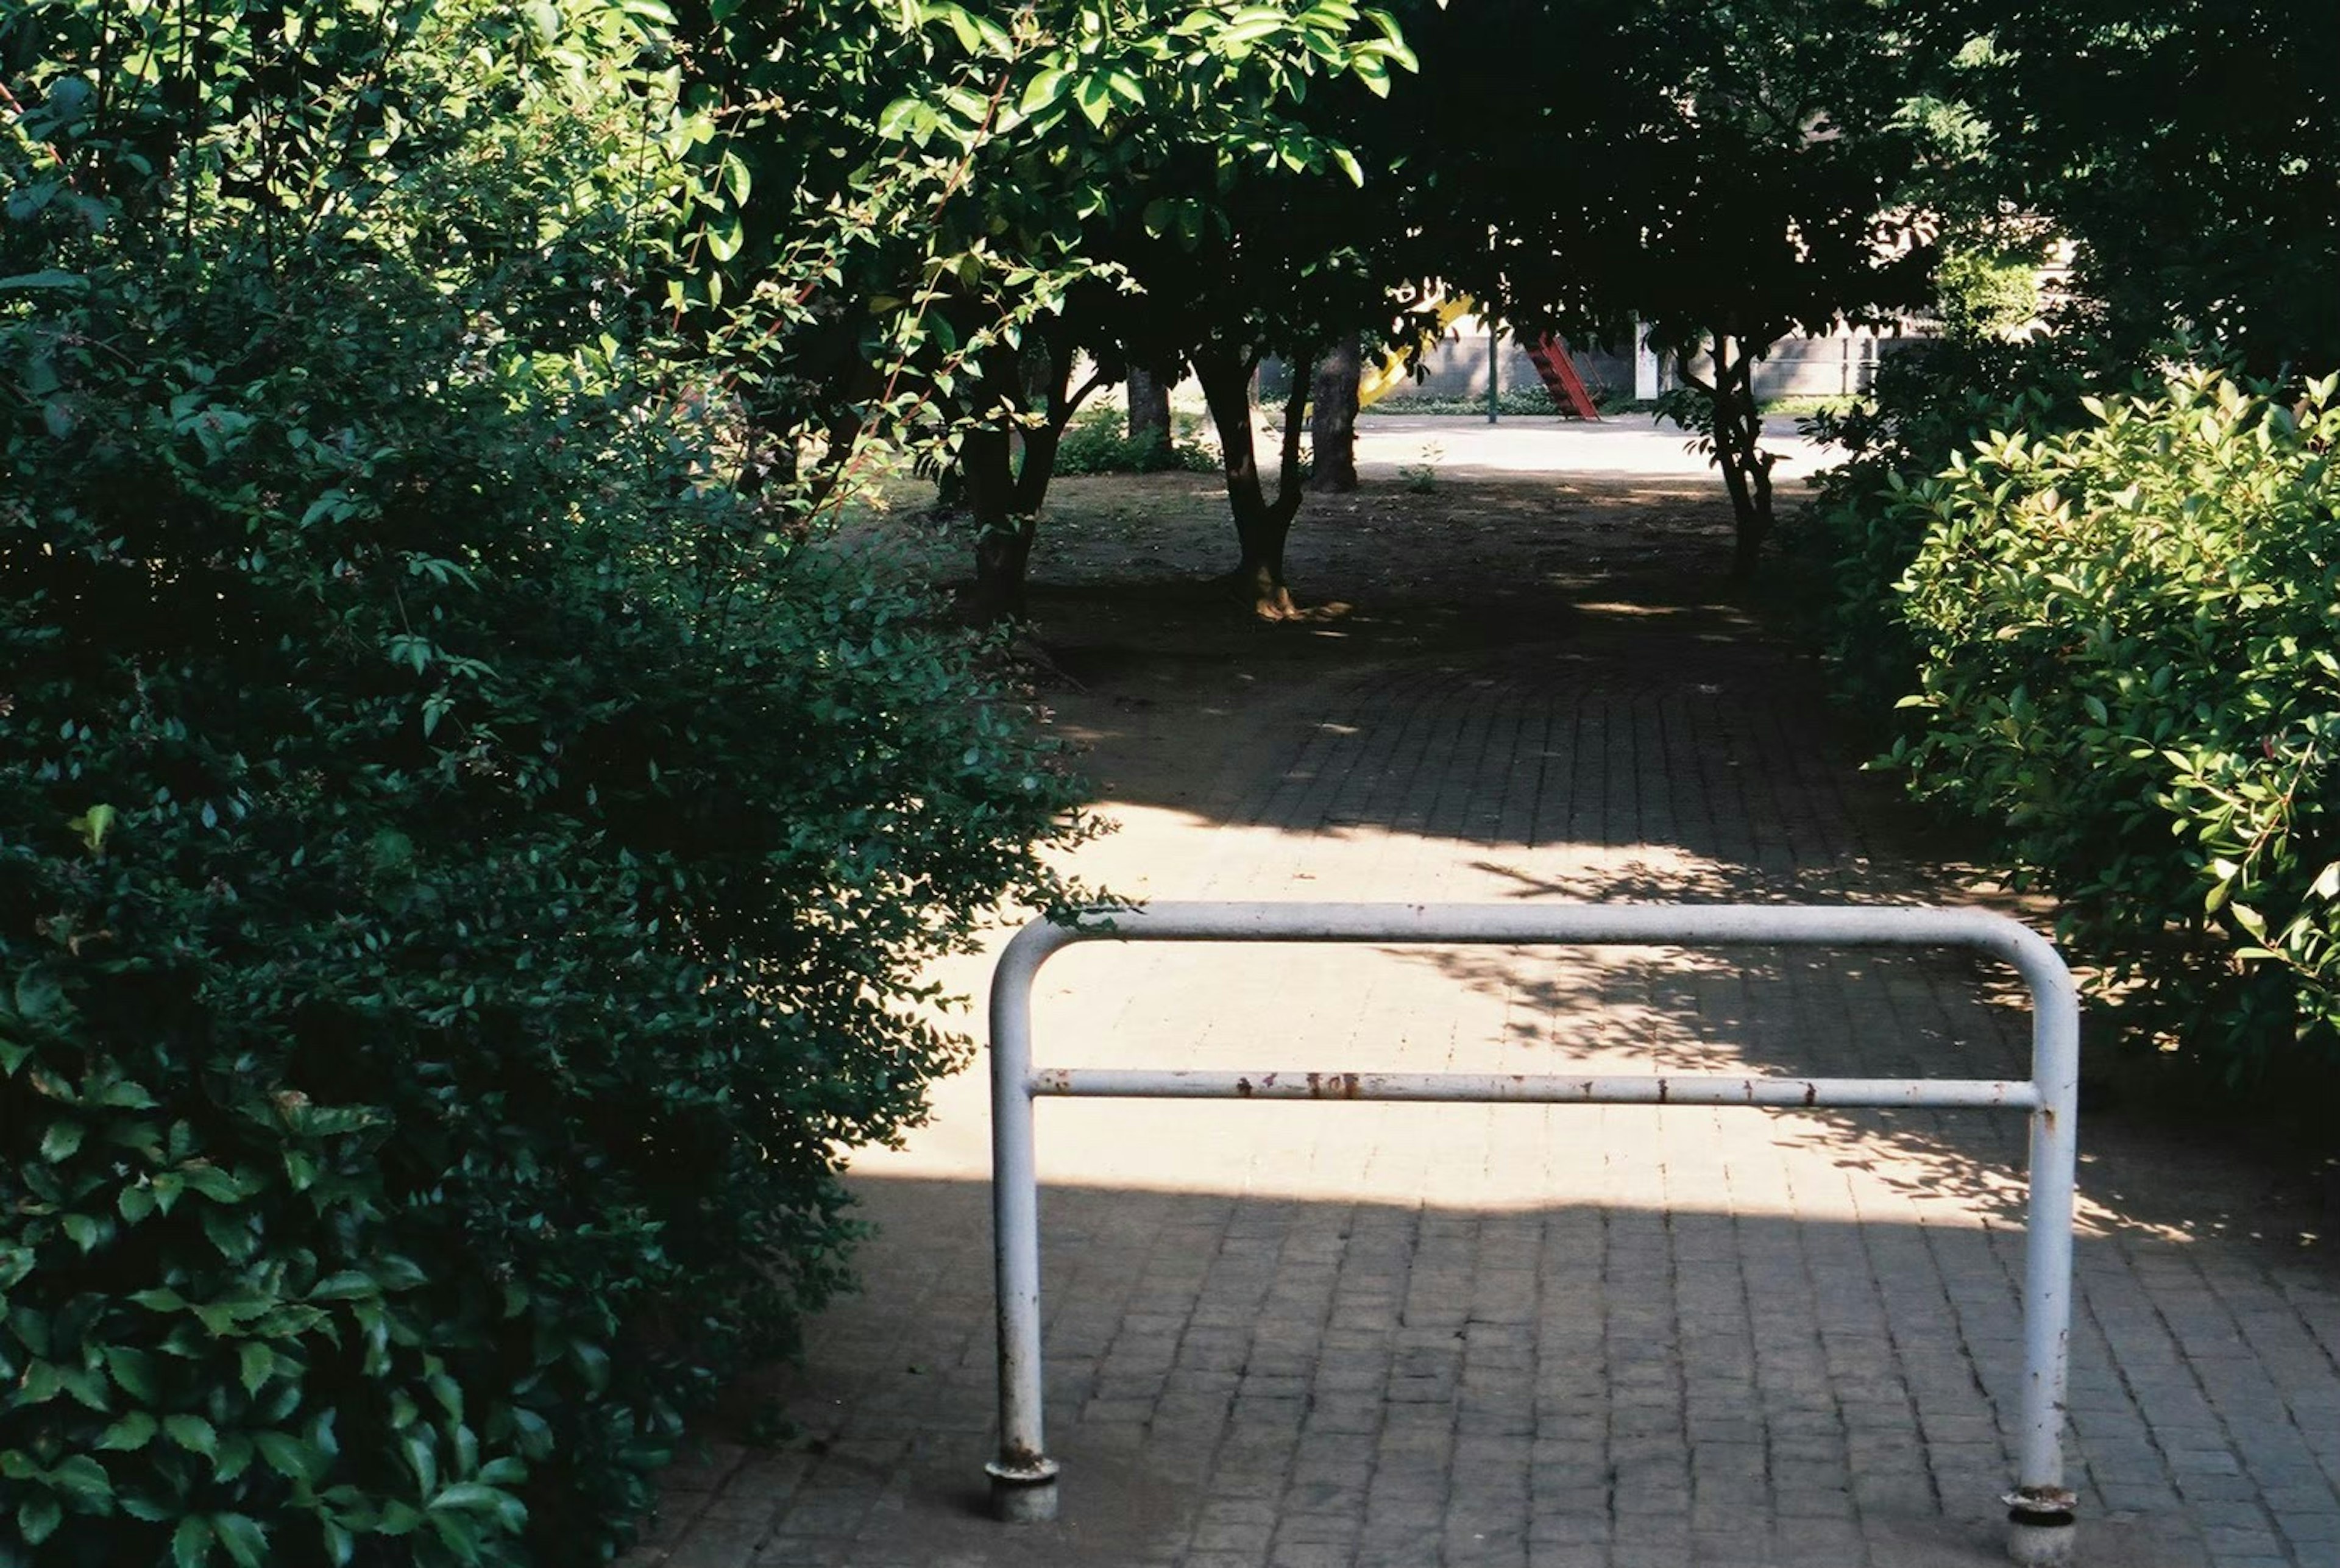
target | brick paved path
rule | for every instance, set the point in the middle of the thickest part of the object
(1393, 1337)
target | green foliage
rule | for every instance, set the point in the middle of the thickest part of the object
(1857, 537)
(1421, 476)
(1982, 293)
(464, 866)
(1524, 402)
(1019, 189)
(994, 173)
(2175, 142)
(2127, 669)
(1098, 442)
(1683, 183)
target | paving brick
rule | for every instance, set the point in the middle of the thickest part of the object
(1350, 1336)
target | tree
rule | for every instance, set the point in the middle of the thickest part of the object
(1052, 135)
(1265, 291)
(1729, 174)
(2176, 143)
(1278, 257)
(2163, 138)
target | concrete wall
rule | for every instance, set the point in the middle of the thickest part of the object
(1833, 366)
(1458, 367)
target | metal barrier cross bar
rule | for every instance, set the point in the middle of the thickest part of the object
(2040, 1508)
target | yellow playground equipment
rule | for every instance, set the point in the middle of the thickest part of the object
(1391, 374)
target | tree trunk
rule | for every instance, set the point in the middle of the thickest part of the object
(1738, 437)
(1262, 525)
(1333, 418)
(1738, 445)
(1006, 469)
(1038, 468)
(1003, 532)
(1149, 407)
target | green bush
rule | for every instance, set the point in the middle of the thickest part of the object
(1858, 535)
(1097, 440)
(464, 870)
(1983, 292)
(1521, 401)
(2126, 668)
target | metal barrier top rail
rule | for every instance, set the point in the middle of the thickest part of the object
(2040, 1508)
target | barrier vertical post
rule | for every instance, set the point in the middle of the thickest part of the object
(1023, 1477)
(2041, 1509)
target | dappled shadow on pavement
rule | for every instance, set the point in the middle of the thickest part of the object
(1234, 1379)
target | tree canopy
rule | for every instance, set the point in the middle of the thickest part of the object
(2179, 146)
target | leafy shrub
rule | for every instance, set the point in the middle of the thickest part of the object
(1982, 292)
(1524, 402)
(2127, 667)
(1857, 536)
(1098, 442)
(463, 869)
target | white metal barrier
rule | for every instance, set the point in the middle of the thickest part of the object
(2040, 1508)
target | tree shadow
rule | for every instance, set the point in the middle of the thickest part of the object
(1623, 763)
